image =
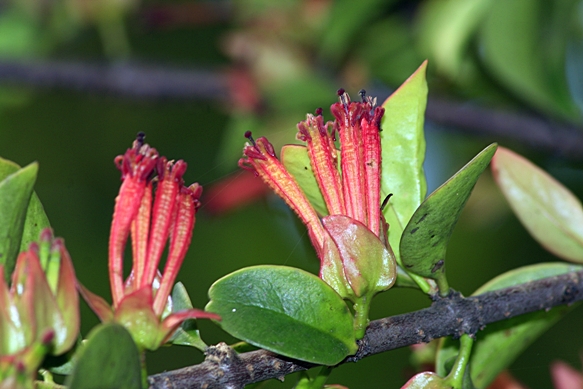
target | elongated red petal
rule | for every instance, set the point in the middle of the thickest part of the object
(140, 230)
(348, 116)
(137, 166)
(180, 241)
(323, 158)
(170, 176)
(372, 165)
(127, 204)
(260, 157)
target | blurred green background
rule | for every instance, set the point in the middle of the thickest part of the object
(273, 62)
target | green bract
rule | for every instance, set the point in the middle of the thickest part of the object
(285, 310)
(187, 334)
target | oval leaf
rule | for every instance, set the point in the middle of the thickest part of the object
(548, 210)
(297, 162)
(15, 193)
(500, 343)
(424, 241)
(284, 310)
(403, 152)
(108, 360)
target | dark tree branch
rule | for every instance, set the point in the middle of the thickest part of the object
(451, 316)
(532, 131)
(153, 82)
(121, 79)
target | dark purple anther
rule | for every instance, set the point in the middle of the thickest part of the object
(362, 94)
(249, 136)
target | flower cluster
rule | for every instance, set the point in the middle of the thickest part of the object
(350, 241)
(39, 313)
(142, 303)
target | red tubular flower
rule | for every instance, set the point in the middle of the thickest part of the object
(259, 157)
(141, 301)
(351, 243)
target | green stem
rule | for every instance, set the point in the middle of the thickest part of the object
(47, 376)
(144, 369)
(361, 308)
(456, 375)
(321, 378)
(421, 282)
(442, 285)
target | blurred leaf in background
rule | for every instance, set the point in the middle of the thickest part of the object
(281, 60)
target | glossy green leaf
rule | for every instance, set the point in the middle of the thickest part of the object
(284, 310)
(36, 219)
(500, 343)
(108, 360)
(548, 210)
(15, 194)
(523, 43)
(403, 152)
(296, 161)
(187, 334)
(424, 241)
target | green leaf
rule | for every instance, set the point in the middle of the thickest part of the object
(424, 241)
(36, 221)
(285, 310)
(296, 161)
(187, 334)
(15, 194)
(108, 360)
(36, 218)
(523, 43)
(548, 210)
(403, 152)
(500, 343)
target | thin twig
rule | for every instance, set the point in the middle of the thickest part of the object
(451, 316)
